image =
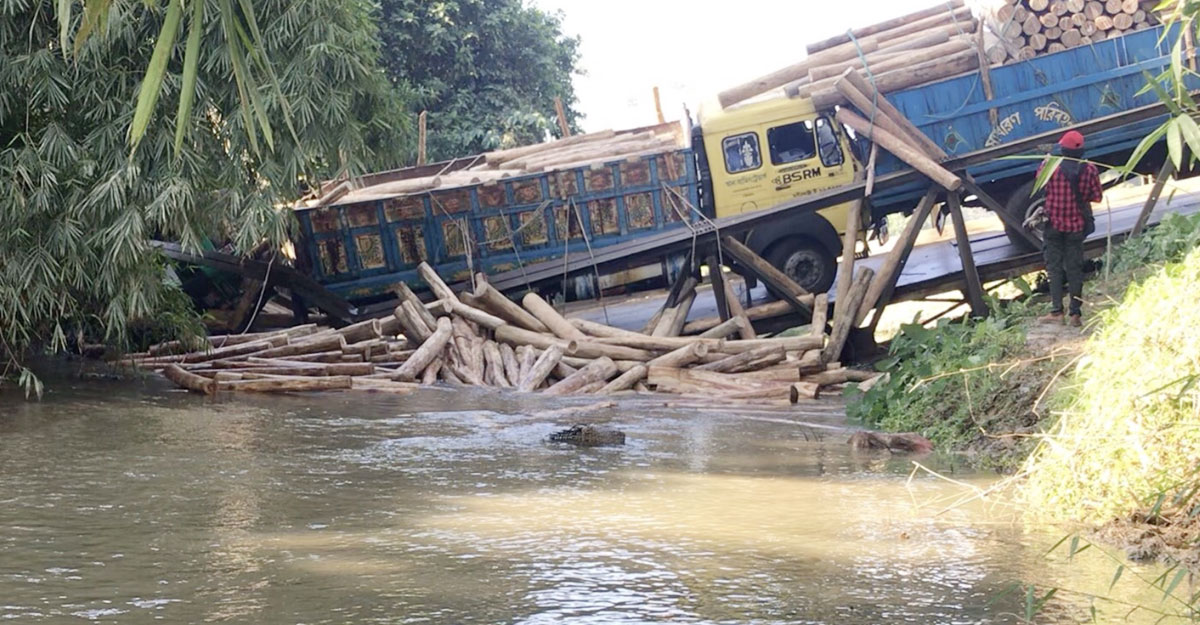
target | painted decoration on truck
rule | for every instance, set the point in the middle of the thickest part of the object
(604, 216)
(635, 174)
(564, 184)
(565, 219)
(333, 257)
(491, 195)
(639, 210)
(1002, 129)
(671, 166)
(324, 219)
(404, 207)
(673, 209)
(527, 191)
(453, 231)
(598, 179)
(362, 214)
(370, 251)
(411, 241)
(451, 202)
(1052, 112)
(533, 229)
(497, 232)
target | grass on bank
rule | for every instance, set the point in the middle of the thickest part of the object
(975, 386)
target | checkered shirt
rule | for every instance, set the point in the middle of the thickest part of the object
(1061, 208)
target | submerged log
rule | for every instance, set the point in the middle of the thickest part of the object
(190, 381)
(600, 370)
(425, 354)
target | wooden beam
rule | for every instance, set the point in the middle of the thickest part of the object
(880, 293)
(776, 279)
(970, 273)
(658, 106)
(562, 117)
(421, 138)
(1167, 170)
(718, 287)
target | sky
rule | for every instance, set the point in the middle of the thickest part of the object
(691, 50)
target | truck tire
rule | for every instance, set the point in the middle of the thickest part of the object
(805, 261)
(1021, 206)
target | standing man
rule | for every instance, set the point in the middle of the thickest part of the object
(1069, 195)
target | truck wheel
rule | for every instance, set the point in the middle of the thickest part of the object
(805, 261)
(1021, 207)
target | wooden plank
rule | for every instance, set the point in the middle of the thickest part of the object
(970, 272)
(1168, 169)
(880, 293)
(776, 279)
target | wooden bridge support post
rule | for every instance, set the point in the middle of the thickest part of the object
(718, 287)
(1168, 170)
(884, 285)
(776, 279)
(970, 273)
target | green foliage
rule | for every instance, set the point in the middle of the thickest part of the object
(1169, 241)
(948, 382)
(1127, 438)
(80, 208)
(486, 70)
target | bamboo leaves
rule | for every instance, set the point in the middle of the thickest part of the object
(152, 82)
(191, 59)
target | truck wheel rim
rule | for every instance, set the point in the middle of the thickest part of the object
(803, 267)
(1038, 204)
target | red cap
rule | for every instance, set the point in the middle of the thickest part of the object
(1071, 140)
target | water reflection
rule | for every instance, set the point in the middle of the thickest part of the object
(145, 505)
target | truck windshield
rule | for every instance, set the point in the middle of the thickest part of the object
(791, 142)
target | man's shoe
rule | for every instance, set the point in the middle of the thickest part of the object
(1076, 321)
(1054, 317)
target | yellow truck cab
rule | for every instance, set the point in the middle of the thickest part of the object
(757, 155)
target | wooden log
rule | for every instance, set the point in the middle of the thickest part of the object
(1129, 7)
(600, 370)
(820, 316)
(678, 318)
(661, 343)
(754, 313)
(892, 24)
(506, 309)
(541, 368)
(361, 331)
(286, 384)
(810, 362)
(414, 331)
(843, 323)
(725, 328)
(429, 376)
(415, 314)
(793, 72)
(1039, 5)
(781, 282)
(1093, 9)
(888, 57)
(845, 272)
(839, 376)
(738, 314)
(526, 356)
(803, 390)
(313, 344)
(499, 157)
(1071, 38)
(738, 362)
(425, 354)
(1038, 42)
(189, 381)
(600, 330)
(1122, 22)
(516, 336)
(512, 367)
(495, 373)
(472, 314)
(325, 356)
(406, 294)
(1055, 47)
(871, 98)
(440, 289)
(1103, 23)
(681, 357)
(900, 149)
(626, 380)
(549, 317)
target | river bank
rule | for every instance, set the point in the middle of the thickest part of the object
(1097, 424)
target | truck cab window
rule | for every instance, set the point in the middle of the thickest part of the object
(827, 141)
(741, 152)
(792, 142)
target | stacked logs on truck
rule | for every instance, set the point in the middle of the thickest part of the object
(481, 338)
(1019, 30)
(584, 150)
(903, 52)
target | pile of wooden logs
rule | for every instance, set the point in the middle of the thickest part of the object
(574, 151)
(482, 338)
(906, 51)
(1028, 28)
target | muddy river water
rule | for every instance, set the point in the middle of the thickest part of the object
(134, 504)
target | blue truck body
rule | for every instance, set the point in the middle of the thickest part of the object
(1031, 97)
(359, 250)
